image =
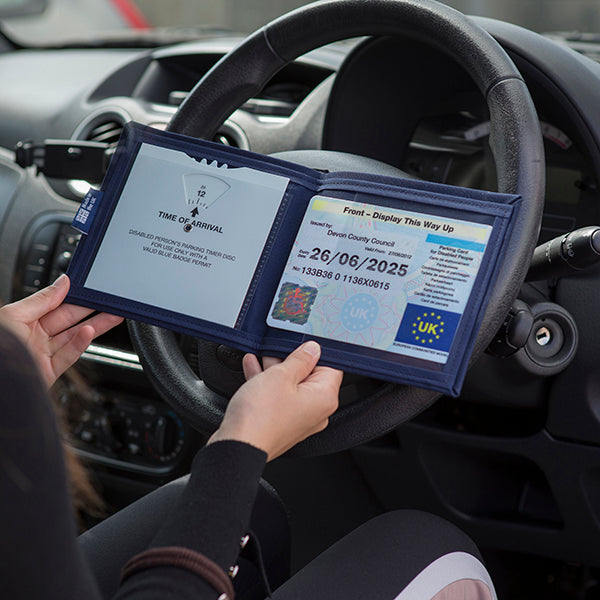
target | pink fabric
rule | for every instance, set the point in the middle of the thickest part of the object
(464, 589)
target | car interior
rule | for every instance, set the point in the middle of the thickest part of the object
(413, 89)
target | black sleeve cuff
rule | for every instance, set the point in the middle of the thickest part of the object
(214, 511)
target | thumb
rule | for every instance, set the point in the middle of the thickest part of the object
(303, 360)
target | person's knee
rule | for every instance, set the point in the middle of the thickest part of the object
(424, 533)
(386, 555)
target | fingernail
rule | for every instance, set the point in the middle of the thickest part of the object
(60, 280)
(312, 348)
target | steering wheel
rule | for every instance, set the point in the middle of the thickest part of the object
(516, 144)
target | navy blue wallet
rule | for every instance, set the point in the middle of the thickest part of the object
(391, 276)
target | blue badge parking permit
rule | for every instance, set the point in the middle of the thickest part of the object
(383, 278)
(391, 276)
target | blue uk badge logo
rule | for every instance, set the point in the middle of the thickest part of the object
(428, 327)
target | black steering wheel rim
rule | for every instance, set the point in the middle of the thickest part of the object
(515, 140)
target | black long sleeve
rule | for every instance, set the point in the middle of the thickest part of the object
(211, 517)
(40, 556)
(38, 541)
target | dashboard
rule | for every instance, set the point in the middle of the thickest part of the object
(398, 101)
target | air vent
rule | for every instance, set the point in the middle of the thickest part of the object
(105, 127)
(107, 132)
(230, 134)
(226, 139)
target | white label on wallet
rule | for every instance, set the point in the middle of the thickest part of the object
(187, 236)
(383, 278)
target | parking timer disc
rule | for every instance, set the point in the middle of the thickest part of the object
(202, 190)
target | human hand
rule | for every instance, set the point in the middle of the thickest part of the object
(284, 404)
(52, 331)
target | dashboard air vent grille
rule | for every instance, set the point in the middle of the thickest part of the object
(107, 132)
(226, 139)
